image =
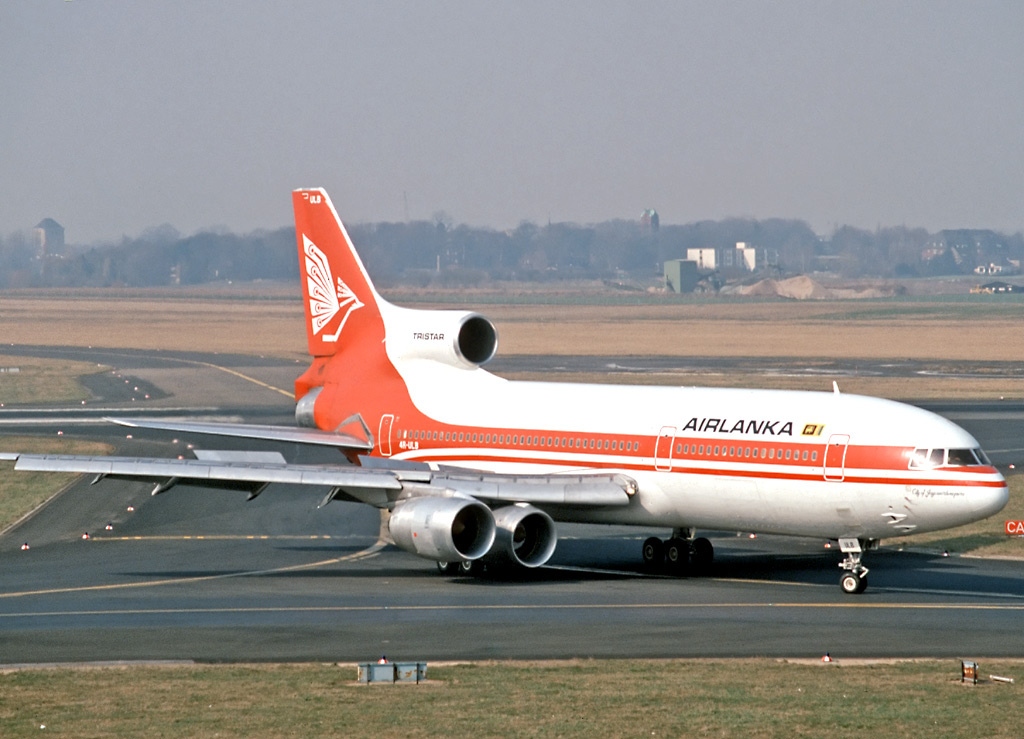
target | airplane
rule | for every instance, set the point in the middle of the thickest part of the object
(472, 470)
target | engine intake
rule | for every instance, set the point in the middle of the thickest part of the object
(443, 529)
(525, 536)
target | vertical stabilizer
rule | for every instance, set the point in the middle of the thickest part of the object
(341, 305)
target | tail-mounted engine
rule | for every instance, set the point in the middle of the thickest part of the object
(458, 338)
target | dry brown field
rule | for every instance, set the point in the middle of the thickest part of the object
(269, 321)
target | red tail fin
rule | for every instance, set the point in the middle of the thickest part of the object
(340, 301)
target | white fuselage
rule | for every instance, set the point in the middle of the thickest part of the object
(802, 463)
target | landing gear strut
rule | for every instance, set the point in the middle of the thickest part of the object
(854, 579)
(679, 555)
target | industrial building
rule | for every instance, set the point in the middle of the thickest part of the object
(683, 275)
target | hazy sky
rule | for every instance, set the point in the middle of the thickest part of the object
(118, 116)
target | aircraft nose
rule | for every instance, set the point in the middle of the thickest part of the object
(988, 501)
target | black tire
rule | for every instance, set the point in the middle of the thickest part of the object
(653, 553)
(447, 568)
(702, 554)
(851, 584)
(677, 556)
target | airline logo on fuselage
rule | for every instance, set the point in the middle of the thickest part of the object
(327, 298)
(739, 426)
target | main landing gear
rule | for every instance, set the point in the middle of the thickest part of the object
(854, 579)
(680, 555)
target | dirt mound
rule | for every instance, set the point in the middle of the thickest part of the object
(803, 287)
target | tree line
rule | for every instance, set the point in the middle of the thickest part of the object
(439, 253)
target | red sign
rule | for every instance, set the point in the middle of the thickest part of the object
(1015, 528)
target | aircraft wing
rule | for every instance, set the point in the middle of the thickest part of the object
(380, 487)
(252, 431)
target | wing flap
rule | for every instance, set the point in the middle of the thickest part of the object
(560, 490)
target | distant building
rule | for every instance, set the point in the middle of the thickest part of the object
(681, 275)
(965, 246)
(746, 255)
(743, 258)
(49, 237)
(705, 259)
(649, 221)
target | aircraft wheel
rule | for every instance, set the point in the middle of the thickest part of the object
(447, 568)
(470, 568)
(852, 584)
(653, 553)
(702, 554)
(677, 556)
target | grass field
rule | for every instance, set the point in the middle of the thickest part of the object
(670, 698)
(23, 492)
(34, 380)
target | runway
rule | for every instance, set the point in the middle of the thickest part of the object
(204, 575)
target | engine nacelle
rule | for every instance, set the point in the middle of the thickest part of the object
(459, 338)
(443, 529)
(525, 536)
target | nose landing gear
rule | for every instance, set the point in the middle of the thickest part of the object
(854, 579)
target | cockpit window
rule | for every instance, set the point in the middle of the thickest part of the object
(963, 458)
(926, 459)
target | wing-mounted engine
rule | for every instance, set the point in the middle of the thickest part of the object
(449, 529)
(525, 536)
(458, 338)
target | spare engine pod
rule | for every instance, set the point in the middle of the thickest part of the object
(443, 529)
(525, 536)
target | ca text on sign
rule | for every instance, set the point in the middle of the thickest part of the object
(1015, 528)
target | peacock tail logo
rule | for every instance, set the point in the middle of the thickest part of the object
(327, 299)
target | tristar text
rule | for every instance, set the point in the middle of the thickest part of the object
(741, 426)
